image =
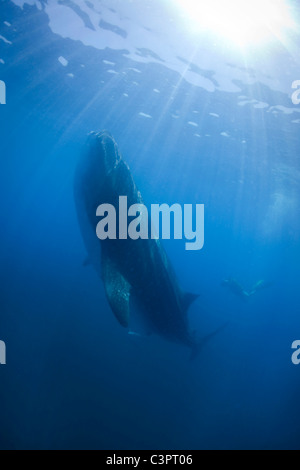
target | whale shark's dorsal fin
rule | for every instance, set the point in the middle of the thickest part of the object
(117, 290)
(188, 300)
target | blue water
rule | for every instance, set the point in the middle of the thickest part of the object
(74, 378)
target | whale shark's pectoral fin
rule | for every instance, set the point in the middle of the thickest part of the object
(117, 290)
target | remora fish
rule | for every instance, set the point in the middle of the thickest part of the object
(130, 269)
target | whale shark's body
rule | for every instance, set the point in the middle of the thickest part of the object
(130, 269)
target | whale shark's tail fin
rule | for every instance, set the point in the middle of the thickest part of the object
(198, 346)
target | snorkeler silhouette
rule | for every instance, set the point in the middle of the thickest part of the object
(238, 290)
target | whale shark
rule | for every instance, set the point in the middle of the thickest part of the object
(134, 272)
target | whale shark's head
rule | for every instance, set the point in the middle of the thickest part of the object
(100, 158)
(92, 186)
(103, 154)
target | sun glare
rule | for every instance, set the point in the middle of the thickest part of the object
(243, 22)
